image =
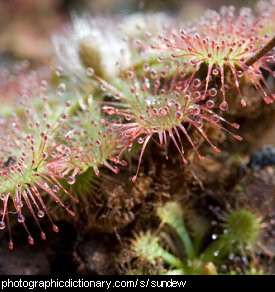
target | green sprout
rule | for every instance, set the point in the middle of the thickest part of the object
(241, 230)
(146, 246)
(171, 214)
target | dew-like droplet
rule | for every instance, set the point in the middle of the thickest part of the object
(2, 225)
(224, 106)
(117, 96)
(215, 118)
(3, 197)
(197, 94)
(98, 142)
(242, 60)
(10, 245)
(164, 74)
(267, 99)
(187, 98)
(243, 102)
(216, 149)
(71, 213)
(212, 91)
(201, 158)
(63, 117)
(55, 188)
(55, 228)
(90, 72)
(123, 163)
(129, 146)
(58, 71)
(146, 67)
(130, 75)
(216, 253)
(235, 125)
(239, 74)
(128, 117)
(237, 137)
(44, 155)
(196, 110)
(160, 59)
(109, 110)
(178, 115)
(71, 134)
(199, 123)
(231, 256)
(40, 214)
(43, 235)
(21, 218)
(61, 88)
(210, 103)
(31, 240)
(140, 140)
(197, 83)
(215, 72)
(71, 180)
(214, 236)
(153, 74)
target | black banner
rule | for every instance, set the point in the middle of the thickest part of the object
(215, 283)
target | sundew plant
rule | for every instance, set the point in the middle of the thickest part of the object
(127, 98)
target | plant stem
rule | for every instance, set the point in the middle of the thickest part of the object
(215, 251)
(185, 239)
(265, 49)
(171, 259)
